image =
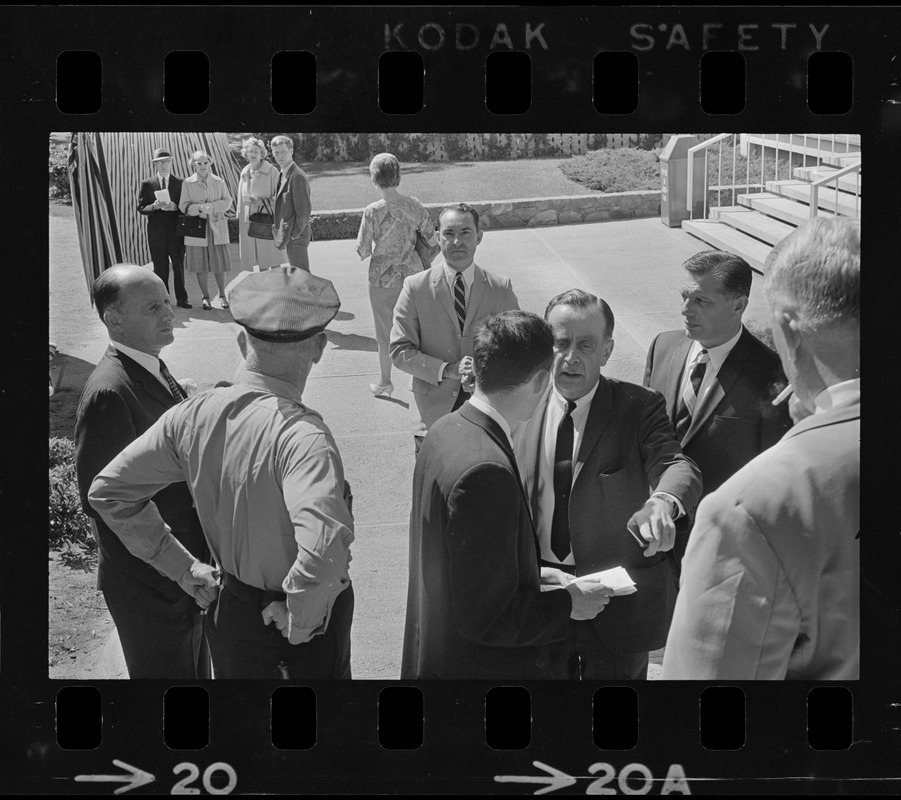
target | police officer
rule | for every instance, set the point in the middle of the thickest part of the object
(268, 483)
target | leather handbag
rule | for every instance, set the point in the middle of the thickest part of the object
(260, 224)
(194, 227)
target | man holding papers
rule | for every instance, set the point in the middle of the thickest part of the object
(475, 608)
(158, 201)
(604, 471)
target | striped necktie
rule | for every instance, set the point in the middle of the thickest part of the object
(690, 394)
(177, 392)
(460, 299)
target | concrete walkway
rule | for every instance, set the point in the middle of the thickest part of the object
(633, 264)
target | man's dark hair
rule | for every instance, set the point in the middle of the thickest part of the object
(509, 349)
(732, 272)
(578, 298)
(106, 290)
(463, 208)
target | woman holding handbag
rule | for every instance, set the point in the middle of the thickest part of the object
(400, 238)
(257, 186)
(204, 202)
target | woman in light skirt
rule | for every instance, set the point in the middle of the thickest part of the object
(206, 195)
(256, 192)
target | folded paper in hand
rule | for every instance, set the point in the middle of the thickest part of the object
(162, 195)
(616, 578)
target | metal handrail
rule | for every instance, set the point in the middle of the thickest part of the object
(703, 146)
(834, 176)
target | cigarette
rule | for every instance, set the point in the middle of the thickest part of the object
(783, 395)
(641, 542)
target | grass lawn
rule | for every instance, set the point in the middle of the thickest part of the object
(343, 185)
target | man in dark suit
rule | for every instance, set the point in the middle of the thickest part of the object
(159, 625)
(162, 218)
(606, 479)
(718, 379)
(291, 214)
(475, 608)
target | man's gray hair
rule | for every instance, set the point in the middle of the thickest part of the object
(816, 270)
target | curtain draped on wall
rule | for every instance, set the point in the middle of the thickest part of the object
(105, 174)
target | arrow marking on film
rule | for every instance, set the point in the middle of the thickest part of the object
(137, 777)
(556, 780)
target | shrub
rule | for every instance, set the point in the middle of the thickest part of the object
(762, 331)
(69, 525)
(59, 173)
(624, 169)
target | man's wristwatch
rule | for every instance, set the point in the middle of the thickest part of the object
(673, 505)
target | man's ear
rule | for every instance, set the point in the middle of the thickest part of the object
(479, 236)
(608, 349)
(790, 327)
(112, 319)
(242, 343)
(320, 341)
(741, 303)
(540, 381)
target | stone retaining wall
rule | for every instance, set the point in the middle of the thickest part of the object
(525, 213)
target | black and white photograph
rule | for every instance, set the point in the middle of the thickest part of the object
(450, 400)
(652, 264)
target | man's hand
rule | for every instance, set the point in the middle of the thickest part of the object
(653, 522)
(277, 611)
(201, 581)
(459, 369)
(589, 598)
(797, 410)
(170, 206)
(551, 576)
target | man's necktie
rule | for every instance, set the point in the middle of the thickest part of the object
(563, 482)
(164, 184)
(460, 299)
(689, 397)
(177, 392)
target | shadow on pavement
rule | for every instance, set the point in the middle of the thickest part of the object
(352, 341)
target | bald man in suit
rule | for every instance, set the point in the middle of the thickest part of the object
(160, 627)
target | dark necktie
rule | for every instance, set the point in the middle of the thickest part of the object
(460, 300)
(689, 398)
(163, 184)
(563, 483)
(177, 392)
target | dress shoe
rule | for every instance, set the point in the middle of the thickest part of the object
(184, 304)
(381, 389)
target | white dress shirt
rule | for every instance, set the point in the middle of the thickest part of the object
(556, 406)
(717, 356)
(837, 395)
(150, 362)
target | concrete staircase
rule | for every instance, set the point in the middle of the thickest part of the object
(760, 220)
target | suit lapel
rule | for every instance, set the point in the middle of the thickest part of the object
(141, 376)
(476, 293)
(598, 419)
(443, 295)
(674, 369)
(722, 382)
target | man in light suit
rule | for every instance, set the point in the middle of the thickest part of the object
(162, 219)
(435, 317)
(475, 608)
(770, 583)
(606, 479)
(291, 215)
(160, 627)
(729, 418)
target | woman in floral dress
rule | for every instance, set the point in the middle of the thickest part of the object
(388, 237)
